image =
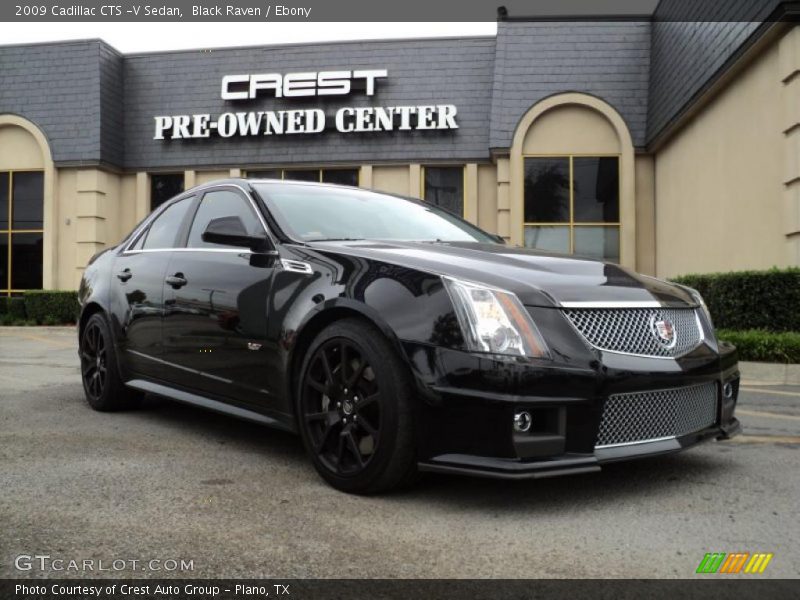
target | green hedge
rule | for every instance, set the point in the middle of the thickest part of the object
(12, 312)
(52, 307)
(744, 300)
(45, 307)
(764, 346)
(13, 308)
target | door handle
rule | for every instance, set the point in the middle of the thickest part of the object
(176, 281)
(124, 275)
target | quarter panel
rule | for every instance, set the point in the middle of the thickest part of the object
(406, 304)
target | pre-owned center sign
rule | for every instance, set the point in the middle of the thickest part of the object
(347, 119)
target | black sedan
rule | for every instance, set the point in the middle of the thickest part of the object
(396, 337)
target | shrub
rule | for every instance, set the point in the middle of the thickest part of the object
(764, 346)
(746, 300)
(15, 308)
(52, 307)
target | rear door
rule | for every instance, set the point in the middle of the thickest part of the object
(215, 320)
(137, 290)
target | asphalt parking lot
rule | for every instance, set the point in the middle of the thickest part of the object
(171, 482)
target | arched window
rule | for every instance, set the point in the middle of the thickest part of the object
(21, 211)
(572, 179)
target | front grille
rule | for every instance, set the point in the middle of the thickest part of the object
(644, 416)
(636, 330)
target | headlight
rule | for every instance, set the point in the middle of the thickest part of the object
(494, 320)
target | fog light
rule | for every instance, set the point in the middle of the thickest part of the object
(522, 421)
(727, 390)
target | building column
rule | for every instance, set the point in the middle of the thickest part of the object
(415, 181)
(365, 177)
(189, 179)
(90, 216)
(235, 173)
(789, 64)
(471, 193)
(51, 224)
(504, 200)
(645, 197)
(142, 195)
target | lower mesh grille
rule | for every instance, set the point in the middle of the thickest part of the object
(643, 416)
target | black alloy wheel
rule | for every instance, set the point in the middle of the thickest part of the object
(354, 409)
(342, 407)
(94, 366)
(102, 383)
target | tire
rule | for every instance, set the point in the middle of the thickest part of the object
(102, 383)
(364, 379)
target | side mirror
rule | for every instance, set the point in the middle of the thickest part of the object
(230, 231)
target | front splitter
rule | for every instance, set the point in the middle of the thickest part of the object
(571, 464)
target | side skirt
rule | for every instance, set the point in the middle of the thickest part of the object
(207, 403)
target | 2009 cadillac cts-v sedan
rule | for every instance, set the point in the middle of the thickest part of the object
(396, 337)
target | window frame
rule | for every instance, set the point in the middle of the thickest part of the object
(143, 227)
(571, 225)
(10, 231)
(194, 195)
(463, 168)
(183, 241)
(283, 170)
(180, 235)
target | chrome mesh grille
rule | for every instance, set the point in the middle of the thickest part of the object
(643, 416)
(633, 330)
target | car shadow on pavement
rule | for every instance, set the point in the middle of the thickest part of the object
(225, 430)
(617, 482)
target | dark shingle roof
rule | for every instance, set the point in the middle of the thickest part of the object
(689, 50)
(97, 106)
(539, 59)
(57, 87)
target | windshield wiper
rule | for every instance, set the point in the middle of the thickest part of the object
(342, 239)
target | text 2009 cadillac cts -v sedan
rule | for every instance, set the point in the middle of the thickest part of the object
(396, 337)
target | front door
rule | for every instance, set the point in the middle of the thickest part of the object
(215, 320)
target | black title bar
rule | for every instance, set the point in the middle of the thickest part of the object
(703, 587)
(373, 10)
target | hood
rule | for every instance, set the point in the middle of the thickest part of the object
(537, 278)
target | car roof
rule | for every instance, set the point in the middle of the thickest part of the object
(242, 182)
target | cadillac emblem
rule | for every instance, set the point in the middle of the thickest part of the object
(663, 331)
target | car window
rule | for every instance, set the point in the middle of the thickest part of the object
(318, 213)
(164, 229)
(219, 204)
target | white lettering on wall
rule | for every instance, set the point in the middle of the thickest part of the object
(348, 119)
(296, 85)
(304, 84)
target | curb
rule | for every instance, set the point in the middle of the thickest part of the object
(37, 328)
(769, 373)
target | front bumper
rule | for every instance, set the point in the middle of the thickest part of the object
(570, 464)
(466, 422)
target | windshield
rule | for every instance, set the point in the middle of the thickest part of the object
(317, 213)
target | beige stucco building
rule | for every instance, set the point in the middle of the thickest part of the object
(617, 158)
